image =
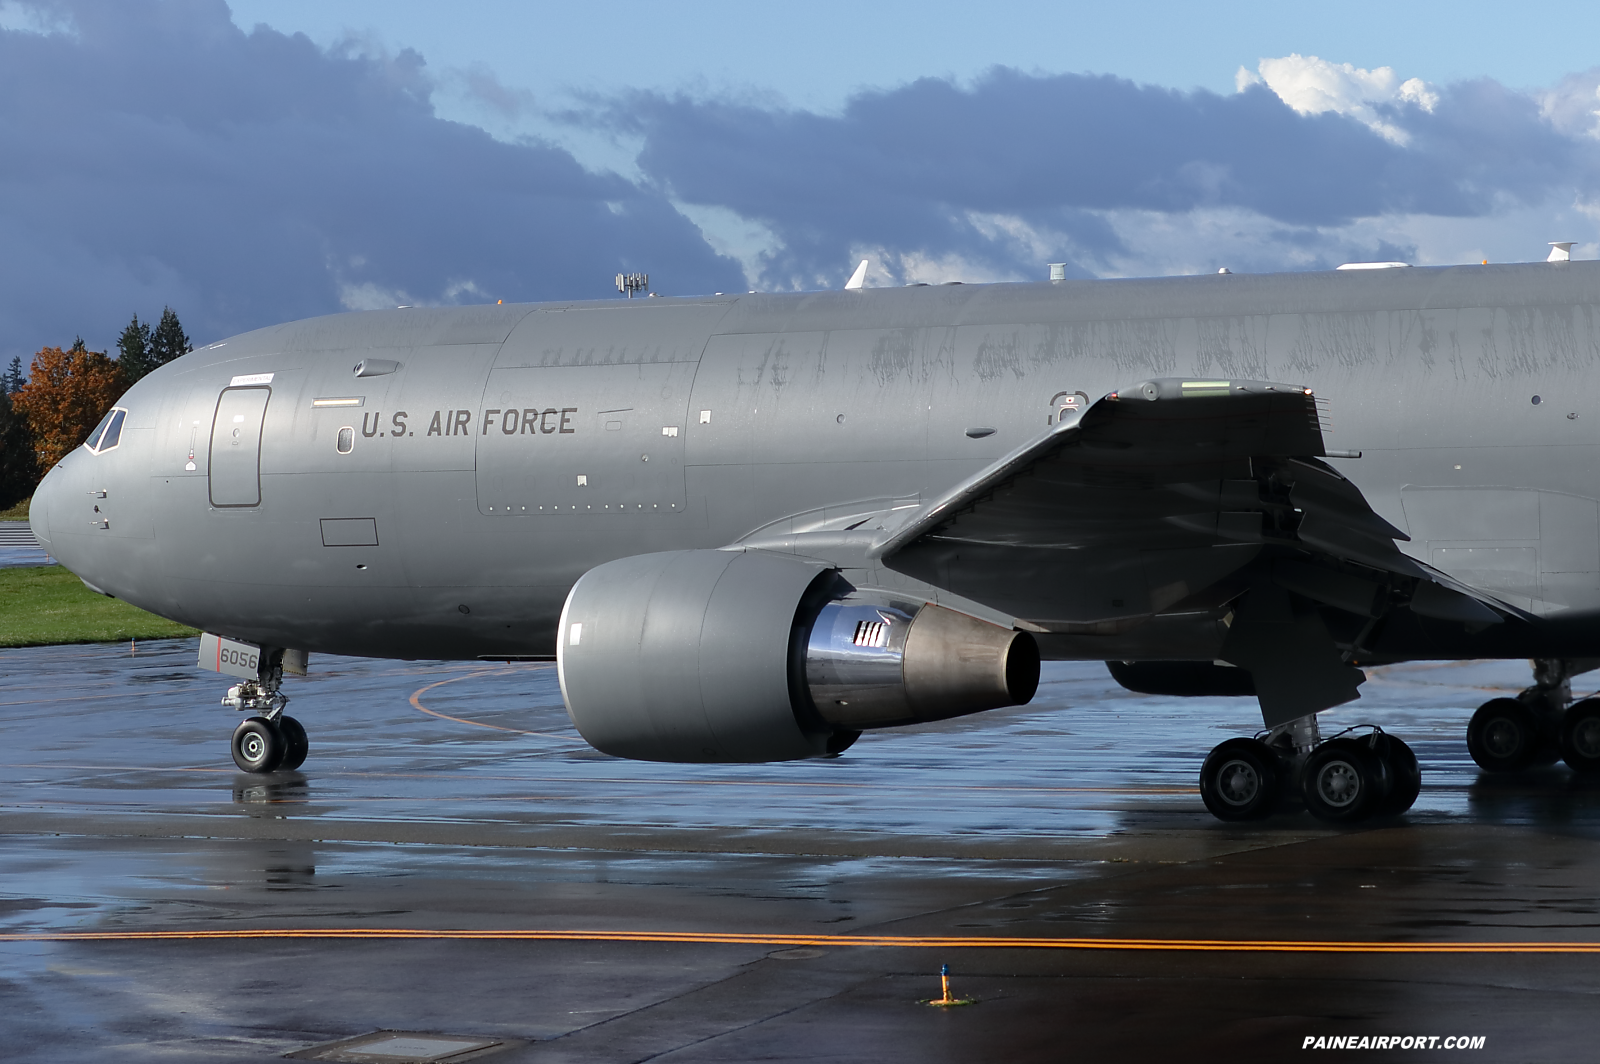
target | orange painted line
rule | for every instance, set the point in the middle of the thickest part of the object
(1196, 945)
(416, 701)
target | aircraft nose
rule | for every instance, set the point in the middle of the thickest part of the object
(45, 497)
(56, 501)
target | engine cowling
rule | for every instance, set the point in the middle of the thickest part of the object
(738, 656)
(1182, 678)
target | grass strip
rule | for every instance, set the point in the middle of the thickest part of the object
(46, 605)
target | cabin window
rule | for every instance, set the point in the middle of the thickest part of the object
(347, 439)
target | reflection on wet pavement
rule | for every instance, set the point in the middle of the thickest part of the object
(457, 795)
(100, 728)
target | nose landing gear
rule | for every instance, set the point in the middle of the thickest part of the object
(267, 740)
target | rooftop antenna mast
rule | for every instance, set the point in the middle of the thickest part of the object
(629, 283)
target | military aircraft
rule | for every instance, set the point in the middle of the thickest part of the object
(751, 527)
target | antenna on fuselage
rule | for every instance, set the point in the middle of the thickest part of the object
(629, 283)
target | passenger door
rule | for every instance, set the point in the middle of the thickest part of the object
(235, 466)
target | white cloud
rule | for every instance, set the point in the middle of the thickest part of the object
(18, 16)
(919, 267)
(1314, 86)
(1026, 240)
(730, 233)
(456, 291)
(1573, 106)
(369, 296)
(1245, 241)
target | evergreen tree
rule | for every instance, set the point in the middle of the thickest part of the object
(18, 469)
(168, 341)
(12, 380)
(134, 353)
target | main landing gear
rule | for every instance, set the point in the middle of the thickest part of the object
(1342, 780)
(268, 739)
(1539, 726)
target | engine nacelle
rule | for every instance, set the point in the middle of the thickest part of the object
(1185, 679)
(728, 656)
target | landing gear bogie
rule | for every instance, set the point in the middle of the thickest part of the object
(1343, 780)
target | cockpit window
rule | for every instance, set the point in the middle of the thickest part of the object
(108, 433)
(94, 437)
(113, 433)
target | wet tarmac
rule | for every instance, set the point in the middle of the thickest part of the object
(18, 547)
(453, 859)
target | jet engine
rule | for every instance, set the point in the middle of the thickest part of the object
(738, 656)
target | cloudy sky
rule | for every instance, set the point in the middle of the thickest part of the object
(278, 158)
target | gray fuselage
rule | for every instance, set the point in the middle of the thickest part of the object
(509, 449)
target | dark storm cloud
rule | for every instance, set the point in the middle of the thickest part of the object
(157, 154)
(906, 168)
(152, 153)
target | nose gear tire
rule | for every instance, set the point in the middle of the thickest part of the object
(1241, 780)
(258, 746)
(295, 743)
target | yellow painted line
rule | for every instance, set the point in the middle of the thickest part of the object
(1185, 945)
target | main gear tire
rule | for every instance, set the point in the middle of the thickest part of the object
(1580, 737)
(1504, 736)
(1345, 780)
(1405, 775)
(1241, 780)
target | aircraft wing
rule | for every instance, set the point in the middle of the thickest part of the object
(1172, 496)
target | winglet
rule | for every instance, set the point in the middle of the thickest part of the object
(859, 278)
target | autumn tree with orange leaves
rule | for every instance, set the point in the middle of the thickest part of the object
(67, 394)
